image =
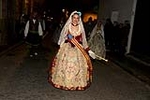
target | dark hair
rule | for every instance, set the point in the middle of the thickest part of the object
(75, 14)
(78, 13)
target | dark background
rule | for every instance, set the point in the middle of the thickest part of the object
(141, 29)
(82, 5)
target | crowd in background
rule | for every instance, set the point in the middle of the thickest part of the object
(116, 34)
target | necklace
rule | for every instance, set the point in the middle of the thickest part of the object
(74, 32)
(74, 24)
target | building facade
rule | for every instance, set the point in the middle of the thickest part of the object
(10, 13)
(136, 12)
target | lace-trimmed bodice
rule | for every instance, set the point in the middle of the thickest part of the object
(74, 32)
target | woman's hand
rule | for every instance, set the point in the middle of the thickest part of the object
(69, 36)
(92, 54)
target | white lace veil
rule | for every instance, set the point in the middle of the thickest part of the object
(64, 31)
(94, 31)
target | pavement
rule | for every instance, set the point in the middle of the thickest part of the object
(131, 63)
(137, 67)
(5, 48)
(25, 78)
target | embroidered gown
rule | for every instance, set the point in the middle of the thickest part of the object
(96, 41)
(70, 70)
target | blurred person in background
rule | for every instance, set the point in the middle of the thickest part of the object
(33, 34)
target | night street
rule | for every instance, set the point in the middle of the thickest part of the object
(25, 78)
(32, 32)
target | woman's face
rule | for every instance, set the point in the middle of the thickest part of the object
(75, 19)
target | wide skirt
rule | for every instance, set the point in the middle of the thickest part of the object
(69, 70)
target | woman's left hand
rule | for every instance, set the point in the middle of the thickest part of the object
(92, 54)
(69, 36)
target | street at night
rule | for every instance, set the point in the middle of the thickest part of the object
(25, 78)
(48, 50)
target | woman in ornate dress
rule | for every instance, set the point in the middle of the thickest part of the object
(96, 41)
(72, 68)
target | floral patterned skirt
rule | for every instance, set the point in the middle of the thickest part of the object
(69, 70)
